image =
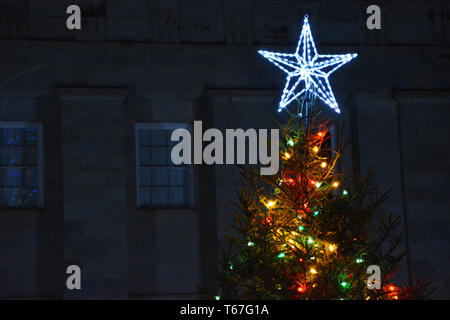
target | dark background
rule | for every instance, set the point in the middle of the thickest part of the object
(175, 61)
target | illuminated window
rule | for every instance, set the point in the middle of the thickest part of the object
(159, 182)
(21, 165)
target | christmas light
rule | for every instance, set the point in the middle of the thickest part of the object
(345, 192)
(291, 143)
(359, 260)
(308, 67)
(310, 240)
(323, 164)
(287, 155)
(344, 284)
(217, 297)
(316, 213)
(281, 255)
(331, 247)
(300, 289)
(318, 184)
(335, 184)
(270, 204)
(250, 244)
(313, 271)
(301, 228)
(316, 149)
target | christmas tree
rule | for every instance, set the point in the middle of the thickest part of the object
(308, 232)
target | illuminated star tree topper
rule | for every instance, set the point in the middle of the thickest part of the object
(307, 71)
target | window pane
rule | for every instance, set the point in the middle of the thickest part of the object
(30, 197)
(31, 177)
(31, 156)
(11, 177)
(177, 177)
(160, 176)
(144, 156)
(159, 138)
(13, 197)
(31, 136)
(160, 196)
(145, 176)
(158, 156)
(13, 137)
(143, 137)
(178, 196)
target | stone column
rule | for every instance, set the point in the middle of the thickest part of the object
(93, 125)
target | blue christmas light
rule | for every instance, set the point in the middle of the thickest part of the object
(306, 65)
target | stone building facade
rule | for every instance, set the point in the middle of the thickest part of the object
(173, 62)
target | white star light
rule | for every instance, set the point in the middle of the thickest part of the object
(307, 66)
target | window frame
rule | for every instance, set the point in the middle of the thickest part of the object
(40, 165)
(191, 176)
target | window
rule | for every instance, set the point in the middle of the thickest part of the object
(160, 183)
(21, 165)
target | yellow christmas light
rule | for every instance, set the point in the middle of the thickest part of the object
(335, 184)
(313, 271)
(331, 247)
(316, 149)
(270, 204)
(323, 164)
(287, 155)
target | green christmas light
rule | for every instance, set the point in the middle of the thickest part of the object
(217, 297)
(281, 255)
(359, 260)
(345, 192)
(310, 240)
(316, 213)
(301, 228)
(250, 244)
(344, 284)
(290, 143)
